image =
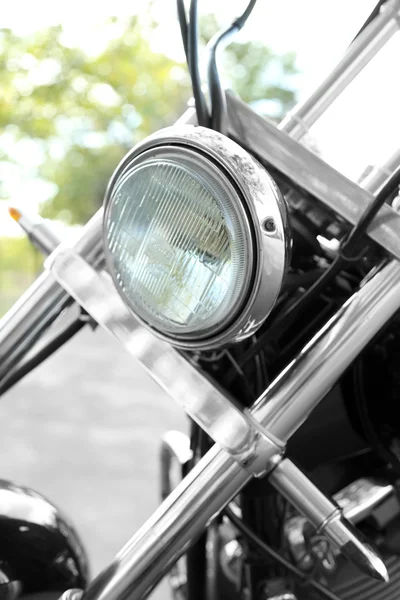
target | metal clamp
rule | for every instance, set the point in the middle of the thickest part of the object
(237, 431)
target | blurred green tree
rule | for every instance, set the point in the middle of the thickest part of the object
(82, 111)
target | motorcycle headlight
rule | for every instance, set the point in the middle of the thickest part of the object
(195, 237)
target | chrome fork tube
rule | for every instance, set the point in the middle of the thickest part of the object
(30, 316)
(281, 409)
(39, 306)
(358, 55)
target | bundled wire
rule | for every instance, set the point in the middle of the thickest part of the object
(217, 94)
(349, 252)
(183, 26)
(189, 32)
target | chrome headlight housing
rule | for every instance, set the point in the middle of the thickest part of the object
(195, 236)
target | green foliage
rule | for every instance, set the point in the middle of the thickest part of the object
(18, 254)
(20, 263)
(83, 112)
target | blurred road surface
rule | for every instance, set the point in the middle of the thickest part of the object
(84, 430)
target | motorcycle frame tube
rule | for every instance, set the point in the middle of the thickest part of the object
(40, 305)
(358, 55)
(308, 171)
(380, 174)
(281, 409)
(24, 324)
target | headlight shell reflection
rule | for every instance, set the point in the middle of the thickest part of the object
(186, 241)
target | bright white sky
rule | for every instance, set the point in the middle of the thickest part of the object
(364, 126)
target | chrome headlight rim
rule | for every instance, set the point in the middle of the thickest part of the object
(263, 205)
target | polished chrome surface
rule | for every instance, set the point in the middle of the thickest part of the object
(282, 409)
(72, 594)
(381, 173)
(357, 501)
(354, 545)
(368, 43)
(39, 232)
(231, 428)
(44, 238)
(38, 546)
(89, 241)
(10, 588)
(311, 173)
(39, 306)
(168, 534)
(29, 317)
(263, 201)
(174, 452)
(284, 596)
(177, 444)
(326, 517)
(306, 498)
(296, 391)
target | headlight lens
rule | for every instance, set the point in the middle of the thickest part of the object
(179, 244)
(195, 237)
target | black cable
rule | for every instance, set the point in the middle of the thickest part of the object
(183, 26)
(294, 311)
(193, 63)
(349, 252)
(271, 553)
(371, 17)
(217, 94)
(21, 370)
(390, 187)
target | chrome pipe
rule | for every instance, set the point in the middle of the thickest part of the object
(327, 518)
(39, 306)
(381, 173)
(358, 55)
(27, 320)
(171, 530)
(281, 409)
(357, 501)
